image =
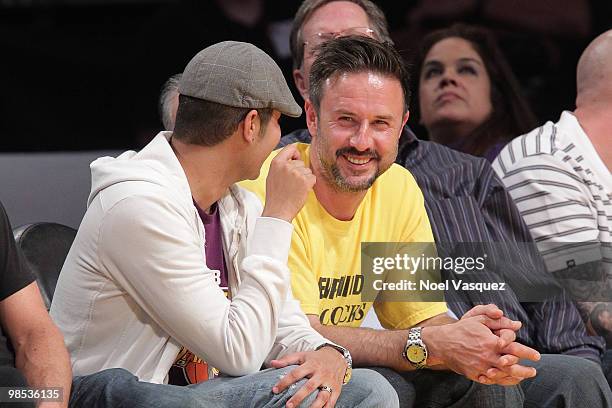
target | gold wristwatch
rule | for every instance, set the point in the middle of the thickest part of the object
(415, 351)
(347, 357)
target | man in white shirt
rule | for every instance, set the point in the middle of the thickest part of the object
(559, 177)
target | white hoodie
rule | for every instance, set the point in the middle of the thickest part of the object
(135, 286)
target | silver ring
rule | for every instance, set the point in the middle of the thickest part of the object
(326, 388)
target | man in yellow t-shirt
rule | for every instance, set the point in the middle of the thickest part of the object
(355, 113)
(325, 251)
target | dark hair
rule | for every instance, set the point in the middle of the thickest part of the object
(377, 19)
(354, 54)
(511, 115)
(208, 123)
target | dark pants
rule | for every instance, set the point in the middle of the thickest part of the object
(446, 389)
(11, 377)
(562, 382)
(607, 366)
(566, 381)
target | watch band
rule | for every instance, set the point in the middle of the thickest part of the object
(415, 350)
(347, 357)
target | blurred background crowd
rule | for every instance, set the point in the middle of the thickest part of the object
(86, 74)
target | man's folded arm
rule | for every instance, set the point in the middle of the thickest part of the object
(372, 347)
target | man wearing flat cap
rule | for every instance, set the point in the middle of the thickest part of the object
(177, 275)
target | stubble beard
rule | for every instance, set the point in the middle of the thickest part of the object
(331, 171)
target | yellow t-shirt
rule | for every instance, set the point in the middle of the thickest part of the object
(325, 259)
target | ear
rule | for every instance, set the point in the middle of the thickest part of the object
(311, 117)
(406, 116)
(300, 83)
(250, 126)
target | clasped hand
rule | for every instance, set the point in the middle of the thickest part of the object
(482, 347)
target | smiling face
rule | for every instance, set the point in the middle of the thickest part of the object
(356, 132)
(454, 87)
(341, 17)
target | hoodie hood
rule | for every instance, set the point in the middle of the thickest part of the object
(151, 165)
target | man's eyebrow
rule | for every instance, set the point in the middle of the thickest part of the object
(345, 112)
(384, 116)
(342, 111)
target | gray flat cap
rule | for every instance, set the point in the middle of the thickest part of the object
(238, 74)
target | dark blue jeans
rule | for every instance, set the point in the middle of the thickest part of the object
(119, 388)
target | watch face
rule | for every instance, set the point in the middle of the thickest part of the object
(415, 354)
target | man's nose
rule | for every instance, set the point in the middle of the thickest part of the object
(362, 140)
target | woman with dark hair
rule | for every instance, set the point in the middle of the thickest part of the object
(468, 97)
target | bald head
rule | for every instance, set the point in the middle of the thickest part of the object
(594, 72)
